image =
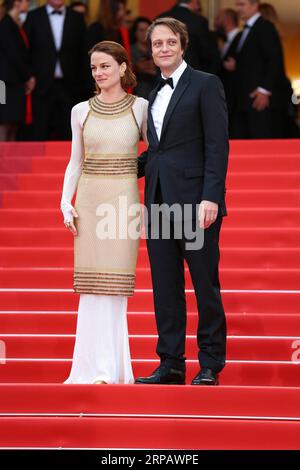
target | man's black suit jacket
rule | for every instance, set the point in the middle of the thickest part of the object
(191, 157)
(202, 51)
(43, 54)
(229, 78)
(260, 64)
(14, 70)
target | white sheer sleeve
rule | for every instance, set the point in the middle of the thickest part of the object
(140, 109)
(74, 168)
(144, 122)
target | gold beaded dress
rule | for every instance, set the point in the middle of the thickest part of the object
(105, 257)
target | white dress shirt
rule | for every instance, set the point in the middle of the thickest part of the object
(230, 37)
(246, 31)
(57, 26)
(161, 102)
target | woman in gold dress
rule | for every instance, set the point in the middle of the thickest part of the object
(103, 168)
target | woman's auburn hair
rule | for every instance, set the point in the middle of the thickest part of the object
(118, 52)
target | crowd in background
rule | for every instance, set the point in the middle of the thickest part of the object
(44, 64)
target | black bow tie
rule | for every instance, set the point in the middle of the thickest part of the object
(56, 12)
(167, 81)
(247, 26)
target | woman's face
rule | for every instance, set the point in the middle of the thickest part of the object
(23, 6)
(121, 12)
(141, 32)
(105, 70)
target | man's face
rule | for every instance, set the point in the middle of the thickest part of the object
(246, 9)
(166, 48)
(24, 6)
(56, 3)
(141, 32)
(220, 21)
(196, 6)
(121, 12)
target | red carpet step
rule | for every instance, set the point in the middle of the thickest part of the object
(143, 323)
(242, 348)
(255, 407)
(240, 373)
(231, 278)
(148, 433)
(268, 302)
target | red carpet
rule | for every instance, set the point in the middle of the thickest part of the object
(257, 404)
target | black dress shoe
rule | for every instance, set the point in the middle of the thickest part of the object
(163, 375)
(206, 377)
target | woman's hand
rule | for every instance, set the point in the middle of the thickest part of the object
(230, 64)
(69, 223)
(30, 85)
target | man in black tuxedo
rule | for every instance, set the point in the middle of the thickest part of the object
(185, 164)
(202, 50)
(56, 38)
(259, 70)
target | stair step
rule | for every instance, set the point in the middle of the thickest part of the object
(142, 323)
(231, 258)
(281, 217)
(257, 373)
(141, 400)
(142, 347)
(230, 237)
(231, 278)
(148, 433)
(235, 180)
(235, 198)
(238, 301)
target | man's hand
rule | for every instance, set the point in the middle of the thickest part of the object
(261, 100)
(208, 212)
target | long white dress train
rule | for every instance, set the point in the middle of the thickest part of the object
(101, 349)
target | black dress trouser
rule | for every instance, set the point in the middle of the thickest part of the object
(52, 113)
(167, 270)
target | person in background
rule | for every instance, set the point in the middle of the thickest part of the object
(110, 24)
(202, 51)
(2, 11)
(259, 70)
(15, 71)
(109, 27)
(144, 68)
(56, 37)
(269, 13)
(226, 26)
(82, 8)
(128, 20)
(289, 109)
